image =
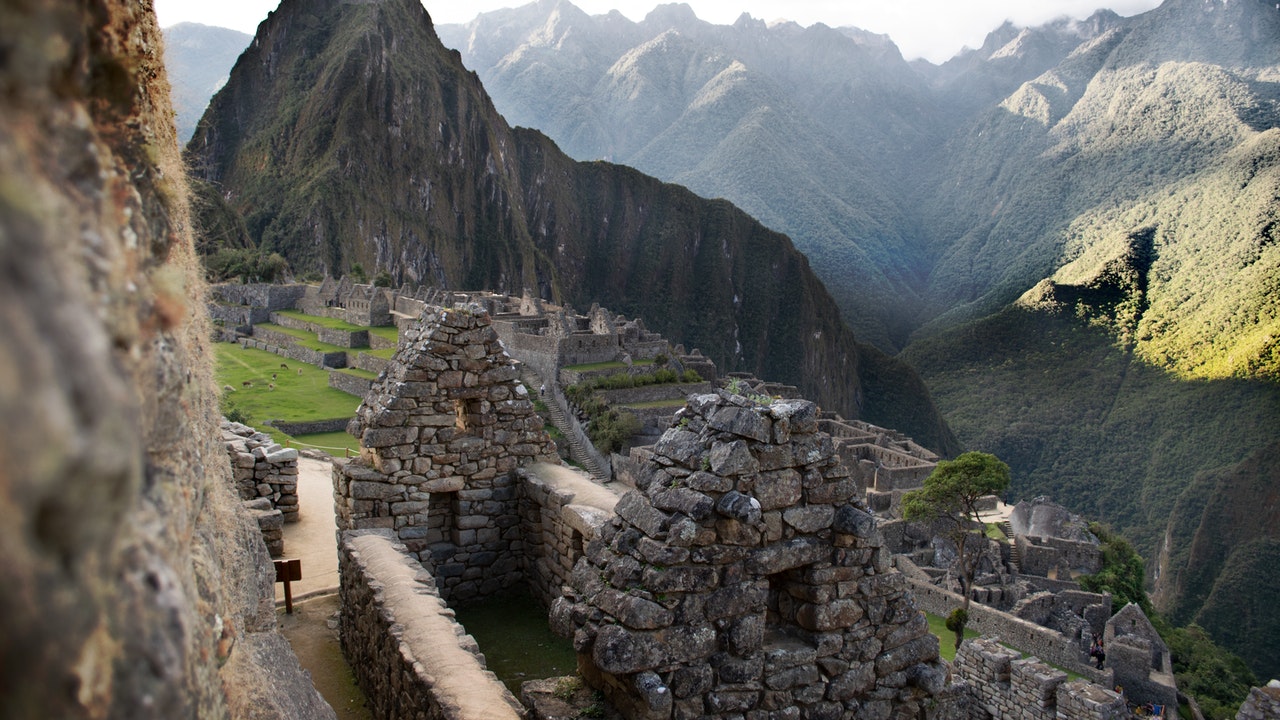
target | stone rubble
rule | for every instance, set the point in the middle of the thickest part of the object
(266, 477)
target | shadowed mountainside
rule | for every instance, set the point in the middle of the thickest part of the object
(347, 133)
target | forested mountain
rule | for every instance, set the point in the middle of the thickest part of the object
(198, 58)
(1071, 232)
(347, 133)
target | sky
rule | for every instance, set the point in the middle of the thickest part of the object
(933, 29)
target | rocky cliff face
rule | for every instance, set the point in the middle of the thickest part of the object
(347, 133)
(132, 586)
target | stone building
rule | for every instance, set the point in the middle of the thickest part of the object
(745, 577)
(441, 432)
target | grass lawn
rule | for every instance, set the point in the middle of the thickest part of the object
(994, 532)
(386, 332)
(607, 365)
(385, 353)
(334, 443)
(306, 339)
(297, 397)
(326, 322)
(946, 638)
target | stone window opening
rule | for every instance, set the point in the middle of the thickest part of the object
(781, 608)
(576, 546)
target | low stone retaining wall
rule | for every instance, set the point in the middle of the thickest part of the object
(377, 342)
(263, 469)
(1003, 684)
(561, 511)
(652, 393)
(315, 426)
(351, 384)
(1026, 636)
(343, 338)
(409, 655)
(371, 363)
(295, 352)
(238, 314)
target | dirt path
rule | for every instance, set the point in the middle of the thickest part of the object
(312, 628)
(316, 645)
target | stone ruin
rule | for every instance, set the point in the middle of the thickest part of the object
(266, 478)
(441, 431)
(744, 577)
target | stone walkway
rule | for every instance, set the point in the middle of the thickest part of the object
(312, 539)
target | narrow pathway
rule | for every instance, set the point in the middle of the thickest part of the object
(312, 539)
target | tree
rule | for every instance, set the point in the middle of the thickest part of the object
(1122, 573)
(950, 494)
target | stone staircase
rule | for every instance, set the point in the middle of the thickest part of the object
(566, 425)
(1015, 555)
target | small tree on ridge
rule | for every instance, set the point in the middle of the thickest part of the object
(951, 493)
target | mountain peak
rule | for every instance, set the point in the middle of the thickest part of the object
(671, 14)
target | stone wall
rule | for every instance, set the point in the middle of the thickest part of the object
(311, 426)
(134, 584)
(370, 363)
(1030, 637)
(263, 469)
(343, 338)
(650, 393)
(238, 315)
(348, 383)
(290, 351)
(561, 511)
(743, 576)
(1004, 685)
(408, 653)
(261, 295)
(1263, 703)
(580, 348)
(441, 433)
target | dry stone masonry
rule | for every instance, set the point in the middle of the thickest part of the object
(441, 432)
(1003, 684)
(745, 578)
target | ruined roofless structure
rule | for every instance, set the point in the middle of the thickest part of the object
(440, 433)
(744, 578)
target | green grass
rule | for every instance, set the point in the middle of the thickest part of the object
(673, 403)
(607, 365)
(994, 532)
(385, 353)
(305, 338)
(386, 332)
(334, 443)
(946, 638)
(297, 397)
(326, 322)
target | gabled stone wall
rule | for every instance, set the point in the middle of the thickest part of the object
(744, 576)
(441, 432)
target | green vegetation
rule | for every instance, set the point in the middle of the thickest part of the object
(946, 638)
(386, 332)
(512, 632)
(951, 493)
(384, 353)
(245, 264)
(295, 397)
(334, 443)
(1122, 572)
(1217, 678)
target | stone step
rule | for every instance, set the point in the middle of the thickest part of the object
(557, 416)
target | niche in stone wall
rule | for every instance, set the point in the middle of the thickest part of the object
(442, 508)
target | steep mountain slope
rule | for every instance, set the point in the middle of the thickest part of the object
(825, 111)
(198, 57)
(347, 133)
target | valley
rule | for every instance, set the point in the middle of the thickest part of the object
(1068, 232)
